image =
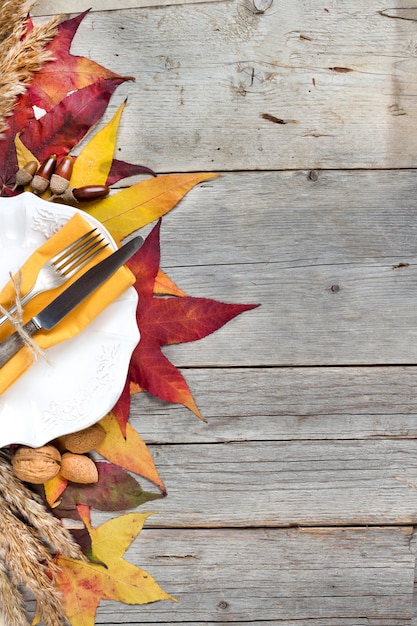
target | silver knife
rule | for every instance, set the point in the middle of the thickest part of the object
(56, 310)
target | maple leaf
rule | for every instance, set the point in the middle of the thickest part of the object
(164, 286)
(84, 584)
(67, 72)
(63, 127)
(164, 321)
(74, 92)
(122, 408)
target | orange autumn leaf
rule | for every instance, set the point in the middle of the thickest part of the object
(135, 388)
(129, 452)
(134, 207)
(84, 584)
(54, 488)
(165, 286)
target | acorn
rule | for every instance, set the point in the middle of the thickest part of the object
(61, 177)
(83, 194)
(42, 177)
(25, 174)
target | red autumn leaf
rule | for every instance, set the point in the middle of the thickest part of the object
(164, 321)
(121, 169)
(78, 530)
(122, 407)
(159, 376)
(22, 115)
(67, 72)
(58, 131)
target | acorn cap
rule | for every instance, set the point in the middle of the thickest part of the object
(39, 184)
(58, 184)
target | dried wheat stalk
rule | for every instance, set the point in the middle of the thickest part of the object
(29, 535)
(12, 602)
(28, 562)
(22, 53)
(28, 506)
(28, 539)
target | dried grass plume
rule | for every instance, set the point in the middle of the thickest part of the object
(22, 52)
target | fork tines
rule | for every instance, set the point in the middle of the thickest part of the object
(69, 260)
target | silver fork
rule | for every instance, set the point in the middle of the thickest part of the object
(63, 266)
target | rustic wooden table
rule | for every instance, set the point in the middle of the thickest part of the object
(295, 503)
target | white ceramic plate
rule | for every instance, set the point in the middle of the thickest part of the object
(88, 371)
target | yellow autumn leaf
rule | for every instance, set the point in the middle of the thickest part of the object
(23, 154)
(54, 489)
(129, 452)
(93, 164)
(132, 208)
(83, 584)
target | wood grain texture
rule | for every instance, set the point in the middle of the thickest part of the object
(284, 404)
(235, 85)
(330, 577)
(333, 267)
(285, 483)
(308, 111)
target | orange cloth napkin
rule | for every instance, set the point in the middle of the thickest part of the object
(75, 321)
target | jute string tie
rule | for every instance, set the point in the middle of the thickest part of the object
(16, 320)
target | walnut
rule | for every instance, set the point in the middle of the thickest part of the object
(36, 465)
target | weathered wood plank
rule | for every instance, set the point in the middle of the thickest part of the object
(335, 277)
(331, 257)
(295, 219)
(278, 404)
(358, 621)
(331, 577)
(308, 622)
(324, 315)
(285, 483)
(231, 85)
(47, 7)
(312, 577)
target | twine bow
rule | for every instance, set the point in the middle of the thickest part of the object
(16, 320)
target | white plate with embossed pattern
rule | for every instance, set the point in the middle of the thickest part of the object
(88, 371)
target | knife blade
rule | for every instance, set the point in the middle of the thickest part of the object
(63, 304)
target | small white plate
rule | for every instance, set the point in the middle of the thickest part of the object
(88, 371)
